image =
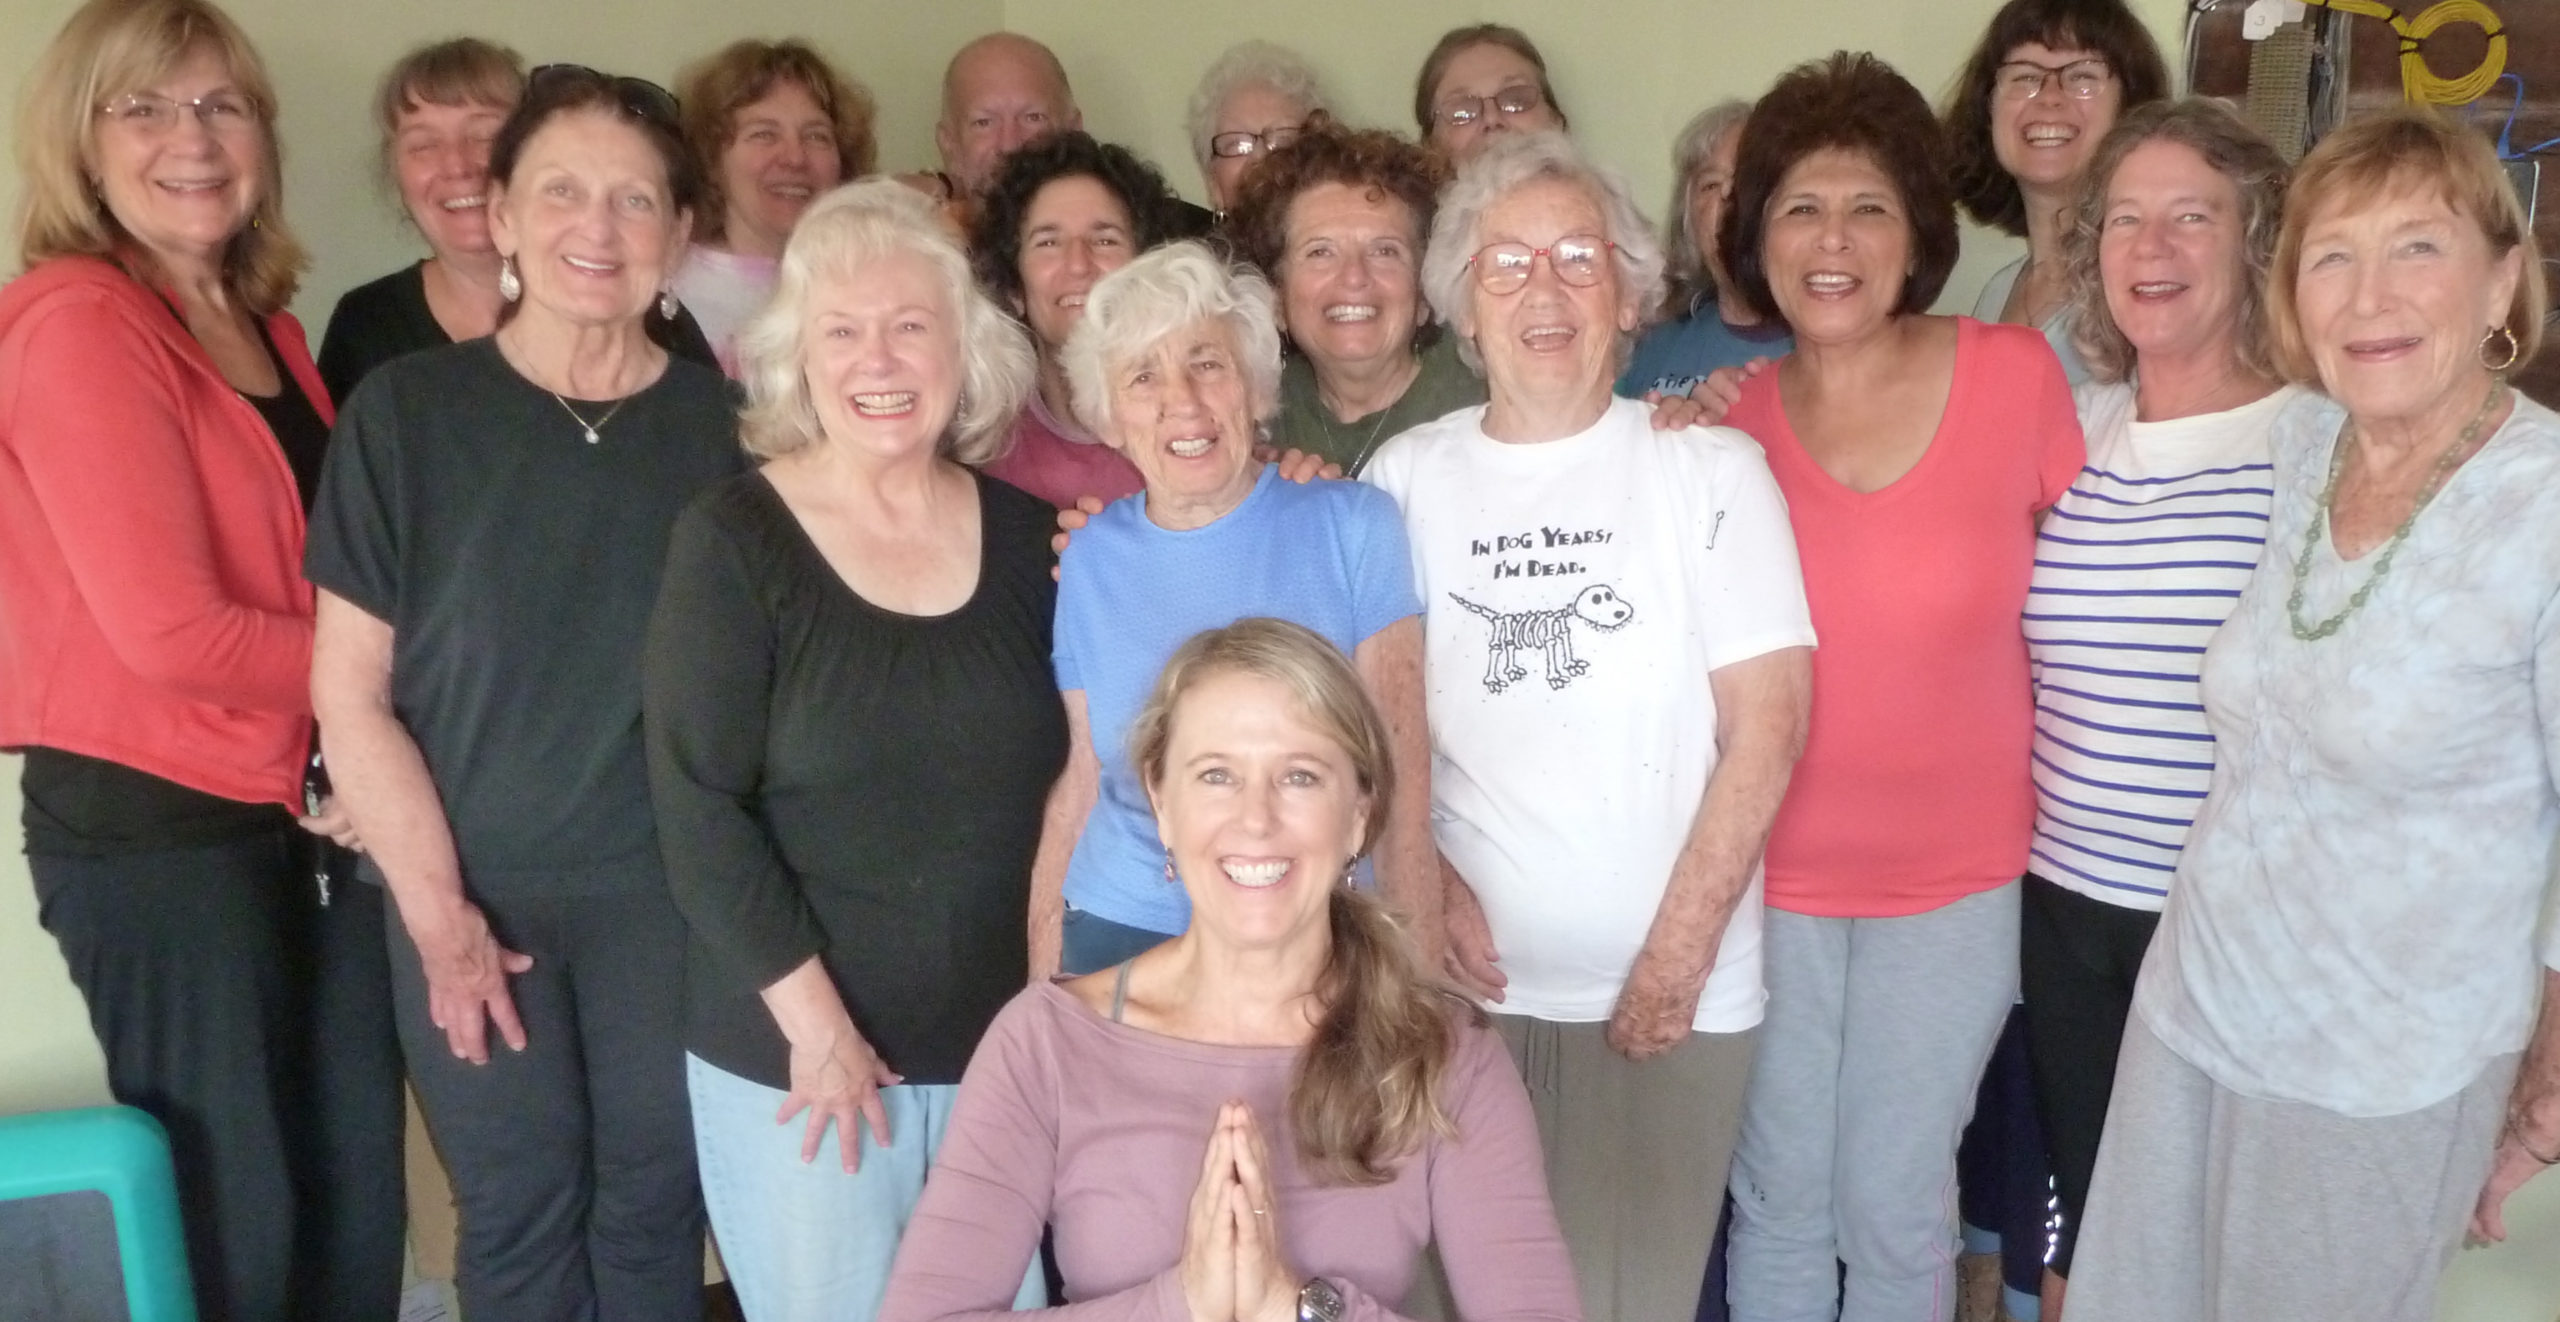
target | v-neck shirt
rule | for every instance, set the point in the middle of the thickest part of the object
(1913, 789)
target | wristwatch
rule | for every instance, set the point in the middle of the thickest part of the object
(1318, 1301)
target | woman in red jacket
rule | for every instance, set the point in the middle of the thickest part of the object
(161, 428)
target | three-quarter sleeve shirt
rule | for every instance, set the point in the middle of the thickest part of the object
(838, 779)
(1097, 1128)
(2353, 920)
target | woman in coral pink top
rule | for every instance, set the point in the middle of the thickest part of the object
(1915, 453)
(1266, 1118)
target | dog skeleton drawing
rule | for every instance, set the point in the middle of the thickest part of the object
(1550, 632)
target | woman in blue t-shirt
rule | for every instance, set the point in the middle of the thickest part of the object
(1176, 363)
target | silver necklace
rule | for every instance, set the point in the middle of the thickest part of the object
(2348, 440)
(590, 428)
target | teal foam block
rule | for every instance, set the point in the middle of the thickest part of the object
(123, 1154)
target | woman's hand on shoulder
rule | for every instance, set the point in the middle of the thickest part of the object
(1299, 466)
(1071, 521)
(1707, 402)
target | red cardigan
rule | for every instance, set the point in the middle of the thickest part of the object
(152, 605)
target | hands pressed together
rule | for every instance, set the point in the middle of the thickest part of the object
(1233, 1268)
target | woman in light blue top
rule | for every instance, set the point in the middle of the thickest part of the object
(1702, 326)
(2345, 1044)
(1176, 363)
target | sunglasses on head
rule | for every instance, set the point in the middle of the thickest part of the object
(638, 97)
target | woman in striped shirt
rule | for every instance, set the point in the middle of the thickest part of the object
(2137, 565)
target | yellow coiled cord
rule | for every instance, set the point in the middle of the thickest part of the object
(2417, 81)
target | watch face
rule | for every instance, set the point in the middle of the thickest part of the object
(1318, 1301)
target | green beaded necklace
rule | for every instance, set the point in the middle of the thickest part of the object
(2312, 633)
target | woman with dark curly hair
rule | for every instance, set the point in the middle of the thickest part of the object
(1063, 213)
(1337, 220)
(2044, 85)
(1914, 452)
(774, 125)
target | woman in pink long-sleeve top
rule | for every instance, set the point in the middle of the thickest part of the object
(1268, 1117)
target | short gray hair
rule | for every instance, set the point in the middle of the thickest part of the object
(1685, 266)
(1130, 311)
(1248, 64)
(1517, 161)
(858, 224)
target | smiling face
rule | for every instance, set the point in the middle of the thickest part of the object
(880, 350)
(2045, 141)
(782, 153)
(1549, 340)
(1836, 245)
(440, 157)
(184, 185)
(1709, 186)
(1473, 78)
(2393, 295)
(1350, 290)
(588, 220)
(1261, 810)
(2169, 252)
(1074, 233)
(998, 95)
(1182, 410)
(1253, 108)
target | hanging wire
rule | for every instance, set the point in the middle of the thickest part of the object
(2417, 81)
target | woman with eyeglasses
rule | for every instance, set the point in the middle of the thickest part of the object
(1255, 100)
(1915, 452)
(487, 547)
(2043, 86)
(161, 433)
(1479, 82)
(1616, 669)
(438, 109)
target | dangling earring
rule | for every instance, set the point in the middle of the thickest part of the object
(2513, 351)
(1169, 873)
(510, 287)
(668, 307)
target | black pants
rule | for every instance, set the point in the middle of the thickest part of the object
(2077, 960)
(255, 1025)
(572, 1161)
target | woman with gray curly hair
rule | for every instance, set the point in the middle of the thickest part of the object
(1618, 672)
(1255, 100)
(1703, 325)
(851, 733)
(1176, 363)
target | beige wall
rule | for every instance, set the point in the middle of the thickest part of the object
(1629, 72)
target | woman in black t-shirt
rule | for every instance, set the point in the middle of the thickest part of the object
(852, 730)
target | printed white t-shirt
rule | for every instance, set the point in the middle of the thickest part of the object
(1576, 594)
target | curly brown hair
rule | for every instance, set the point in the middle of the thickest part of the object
(713, 91)
(1983, 186)
(1854, 102)
(1331, 153)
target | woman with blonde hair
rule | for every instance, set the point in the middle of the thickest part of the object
(1353, 1111)
(775, 126)
(852, 731)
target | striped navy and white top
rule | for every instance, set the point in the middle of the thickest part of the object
(2137, 565)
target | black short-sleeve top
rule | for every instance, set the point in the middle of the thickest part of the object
(516, 564)
(838, 779)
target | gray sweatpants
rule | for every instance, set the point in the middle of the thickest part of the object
(2208, 1206)
(1877, 1034)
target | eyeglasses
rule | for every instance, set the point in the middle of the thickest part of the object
(1504, 267)
(638, 97)
(1517, 99)
(2024, 80)
(154, 115)
(1232, 145)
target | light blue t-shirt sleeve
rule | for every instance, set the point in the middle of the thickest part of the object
(1070, 608)
(1382, 590)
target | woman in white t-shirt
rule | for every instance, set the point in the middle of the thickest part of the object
(1618, 670)
(2143, 557)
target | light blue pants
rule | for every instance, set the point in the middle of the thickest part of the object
(805, 1242)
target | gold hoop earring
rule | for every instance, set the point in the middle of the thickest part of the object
(2515, 348)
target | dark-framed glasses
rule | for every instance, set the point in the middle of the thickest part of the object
(154, 114)
(639, 97)
(1233, 145)
(1576, 259)
(2024, 80)
(1517, 99)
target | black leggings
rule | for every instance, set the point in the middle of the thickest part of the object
(2077, 960)
(255, 1025)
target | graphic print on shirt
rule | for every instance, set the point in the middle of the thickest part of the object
(1550, 632)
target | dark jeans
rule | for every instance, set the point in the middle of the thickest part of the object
(2078, 958)
(255, 1025)
(2001, 1182)
(1089, 943)
(572, 1161)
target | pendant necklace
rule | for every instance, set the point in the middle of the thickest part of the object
(590, 428)
(2347, 440)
